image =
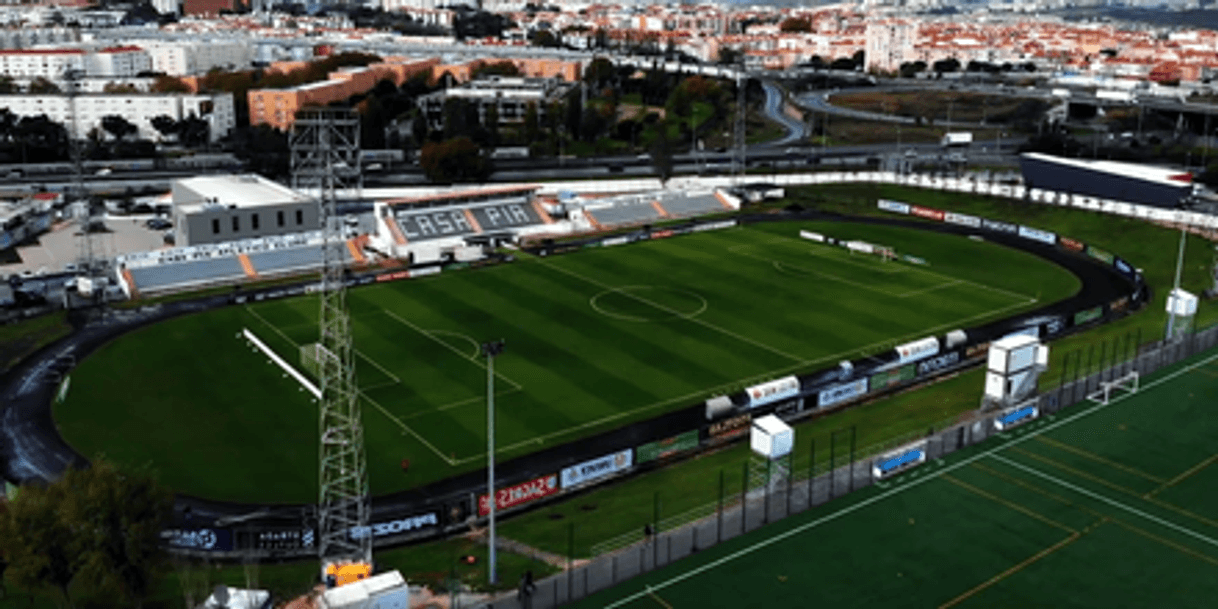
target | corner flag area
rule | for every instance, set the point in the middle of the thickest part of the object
(1097, 506)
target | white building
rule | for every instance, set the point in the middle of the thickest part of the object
(889, 44)
(139, 110)
(190, 58)
(51, 64)
(214, 209)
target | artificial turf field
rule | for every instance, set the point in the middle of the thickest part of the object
(1097, 506)
(595, 339)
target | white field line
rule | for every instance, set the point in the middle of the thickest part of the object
(460, 403)
(782, 239)
(300, 378)
(1113, 502)
(1029, 299)
(930, 289)
(780, 265)
(889, 493)
(474, 360)
(361, 392)
(676, 313)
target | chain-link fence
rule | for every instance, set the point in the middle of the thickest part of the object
(678, 536)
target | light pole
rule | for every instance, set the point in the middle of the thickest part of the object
(490, 350)
(1171, 312)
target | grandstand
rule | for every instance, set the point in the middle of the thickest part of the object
(627, 210)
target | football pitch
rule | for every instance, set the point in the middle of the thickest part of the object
(1097, 506)
(594, 340)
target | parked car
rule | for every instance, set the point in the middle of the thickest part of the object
(158, 224)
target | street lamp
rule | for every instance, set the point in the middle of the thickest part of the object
(490, 350)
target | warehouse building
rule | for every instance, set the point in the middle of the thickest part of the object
(1128, 182)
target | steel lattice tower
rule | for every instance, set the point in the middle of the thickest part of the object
(325, 160)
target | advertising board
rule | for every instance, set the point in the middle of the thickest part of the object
(939, 362)
(667, 447)
(1035, 234)
(597, 468)
(661, 234)
(1090, 315)
(841, 393)
(1119, 304)
(612, 241)
(1000, 227)
(208, 540)
(962, 219)
(766, 393)
(1071, 244)
(926, 212)
(1015, 415)
(730, 428)
(714, 225)
(893, 206)
(819, 238)
(1099, 254)
(890, 378)
(394, 276)
(917, 350)
(899, 460)
(401, 525)
(977, 350)
(519, 494)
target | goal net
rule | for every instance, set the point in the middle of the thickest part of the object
(313, 356)
(1115, 388)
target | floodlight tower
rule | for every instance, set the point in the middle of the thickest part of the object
(325, 160)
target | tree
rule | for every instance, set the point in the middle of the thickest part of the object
(491, 124)
(859, 58)
(120, 515)
(8, 86)
(119, 88)
(165, 125)
(117, 126)
(42, 86)
(39, 542)
(545, 38)
(950, 64)
(532, 126)
(455, 160)
(169, 84)
(796, 25)
(496, 68)
(600, 72)
(661, 153)
(193, 131)
(842, 63)
(729, 56)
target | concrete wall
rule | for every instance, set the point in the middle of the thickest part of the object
(199, 225)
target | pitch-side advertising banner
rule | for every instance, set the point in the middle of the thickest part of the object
(962, 219)
(519, 494)
(841, 393)
(999, 227)
(400, 525)
(611, 241)
(938, 362)
(819, 238)
(1035, 234)
(893, 206)
(766, 393)
(926, 212)
(899, 460)
(917, 350)
(597, 468)
(210, 540)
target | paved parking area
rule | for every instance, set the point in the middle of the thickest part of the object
(60, 246)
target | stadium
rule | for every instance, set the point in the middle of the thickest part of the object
(649, 338)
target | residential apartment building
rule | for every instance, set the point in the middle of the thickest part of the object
(139, 110)
(278, 107)
(188, 58)
(889, 44)
(26, 37)
(52, 64)
(510, 95)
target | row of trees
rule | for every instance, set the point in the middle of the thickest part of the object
(95, 530)
(38, 139)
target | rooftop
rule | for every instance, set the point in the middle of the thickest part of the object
(244, 191)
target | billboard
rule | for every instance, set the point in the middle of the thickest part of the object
(208, 540)
(890, 378)
(1124, 268)
(1015, 415)
(1099, 254)
(612, 241)
(283, 539)
(893, 206)
(599, 467)
(938, 363)
(714, 225)
(819, 238)
(962, 219)
(667, 447)
(1000, 227)
(1071, 244)
(926, 212)
(392, 527)
(841, 393)
(1087, 316)
(1035, 234)
(730, 428)
(519, 494)
(917, 350)
(773, 391)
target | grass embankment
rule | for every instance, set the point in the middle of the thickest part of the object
(934, 106)
(20, 339)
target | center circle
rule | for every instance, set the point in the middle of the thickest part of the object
(648, 303)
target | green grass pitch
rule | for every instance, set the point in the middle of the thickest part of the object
(595, 339)
(1097, 506)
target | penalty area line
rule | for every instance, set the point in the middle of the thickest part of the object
(886, 494)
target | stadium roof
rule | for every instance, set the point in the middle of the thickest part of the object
(462, 196)
(1158, 175)
(242, 191)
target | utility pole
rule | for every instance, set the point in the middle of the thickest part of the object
(491, 350)
(1171, 314)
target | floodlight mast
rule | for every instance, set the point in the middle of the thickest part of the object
(325, 159)
(491, 350)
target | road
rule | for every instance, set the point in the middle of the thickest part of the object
(774, 104)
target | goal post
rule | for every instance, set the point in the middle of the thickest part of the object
(312, 355)
(1110, 389)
